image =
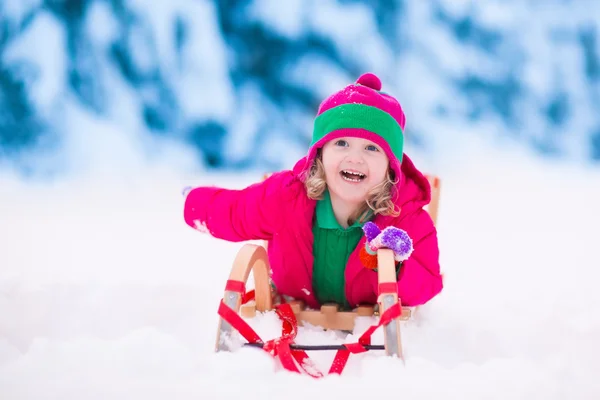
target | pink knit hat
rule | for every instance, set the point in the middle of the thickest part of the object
(362, 110)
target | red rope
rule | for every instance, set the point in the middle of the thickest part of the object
(341, 357)
(238, 323)
(298, 360)
(235, 286)
(240, 287)
(248, 296)
(290, 359)
(388, 287)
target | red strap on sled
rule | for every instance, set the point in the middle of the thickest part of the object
(280, 347)
(388, 287)
(240, 287)
(341, 357)
(238, 323)
(277, 347)
(290, 359)
(235, 286)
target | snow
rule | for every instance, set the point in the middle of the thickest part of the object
(15, 12)
(287, 21)
(101, 25)
(106, 293)
(539, 51)
(46, 64)
(352, 28)
(200, 65)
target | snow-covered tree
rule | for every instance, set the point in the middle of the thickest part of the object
(240, 81)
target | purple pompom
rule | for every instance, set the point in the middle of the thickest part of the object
(399, 241)
(371, 230)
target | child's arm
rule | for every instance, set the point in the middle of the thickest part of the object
(419, 279)
(252, 213)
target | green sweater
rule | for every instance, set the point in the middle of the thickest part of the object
(332, 247)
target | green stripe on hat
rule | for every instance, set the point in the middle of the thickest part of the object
(360, 116)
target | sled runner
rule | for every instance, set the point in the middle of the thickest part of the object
(238, 305)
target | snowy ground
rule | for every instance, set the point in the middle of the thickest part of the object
(106, 294)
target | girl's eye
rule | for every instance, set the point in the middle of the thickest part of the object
(342, 143)
(372, 148)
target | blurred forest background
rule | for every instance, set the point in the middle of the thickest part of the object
(237, 83)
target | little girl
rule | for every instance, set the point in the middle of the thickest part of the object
(354, 180)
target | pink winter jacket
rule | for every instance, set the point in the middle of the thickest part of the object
(278, 210)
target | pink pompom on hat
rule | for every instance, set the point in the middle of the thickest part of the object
(362, 110)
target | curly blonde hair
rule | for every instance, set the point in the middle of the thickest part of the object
(379, 199)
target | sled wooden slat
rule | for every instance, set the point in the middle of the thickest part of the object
(330, 319)
(433, 206)
(248, 310)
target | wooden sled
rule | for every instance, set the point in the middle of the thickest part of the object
(253, 258)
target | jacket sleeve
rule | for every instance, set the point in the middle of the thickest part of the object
(252, 213)
(419, 278)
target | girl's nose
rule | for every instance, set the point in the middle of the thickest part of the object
(354, 157)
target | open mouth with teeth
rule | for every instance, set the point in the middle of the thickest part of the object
(352, 176)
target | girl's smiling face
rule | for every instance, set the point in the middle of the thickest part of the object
(353, 166)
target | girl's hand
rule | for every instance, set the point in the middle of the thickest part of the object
(186, 190)
(391, 237)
